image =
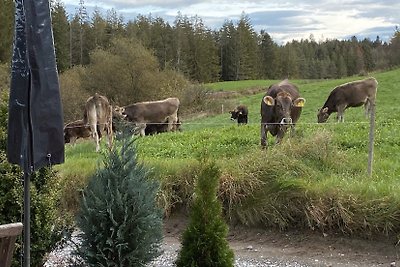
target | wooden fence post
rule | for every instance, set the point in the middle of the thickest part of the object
(8, 236)
(371, 139)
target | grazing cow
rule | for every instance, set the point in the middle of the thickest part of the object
(77, 129)
(240, 114)
(352, 94)
(155, 128)
(160, 111)
(280, 109)
(98, 115)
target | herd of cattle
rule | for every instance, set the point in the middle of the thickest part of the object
(146, 117)
(281, 107)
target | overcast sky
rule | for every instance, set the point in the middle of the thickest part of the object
(283, 20)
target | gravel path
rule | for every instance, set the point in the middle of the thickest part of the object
(260, 247)
(63, 257)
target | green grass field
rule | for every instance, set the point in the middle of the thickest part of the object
(316, 179)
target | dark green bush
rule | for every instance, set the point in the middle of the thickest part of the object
(120, 221)
(204, 241)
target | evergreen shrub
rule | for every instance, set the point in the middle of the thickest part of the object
(204, 241)
(120, 222)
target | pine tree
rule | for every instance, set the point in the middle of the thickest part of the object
(228, 51)
(267, 55)
(203, 53)
(394, 48)
(98, 29)
(61, 34)
(120, 221)
(204, 241)
(248, 50)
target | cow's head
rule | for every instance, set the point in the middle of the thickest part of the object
(323, 115)
(235, 114)
(67, 138)
(67, 135)
(119, 112)
(283, 104)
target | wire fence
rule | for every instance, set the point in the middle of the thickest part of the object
(230, 123)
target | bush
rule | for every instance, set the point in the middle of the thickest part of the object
(197, 98)
(120, 221)
(127, 73)
(73, 96)
(4, 77)
(204, 241)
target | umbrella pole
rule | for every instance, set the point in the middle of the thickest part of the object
(27, 219)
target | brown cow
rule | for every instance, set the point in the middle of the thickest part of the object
(155, 128)
(352, 94)
(280, 109)
(98, 115)
(77, 129)
(151, 112)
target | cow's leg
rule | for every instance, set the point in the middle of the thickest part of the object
(279, 136)
(95, 135)
(340, 113)
(367, 107)
(140, 127)
(110, 136)
(263, 132)
(109, 129)
(172, 120)
(73, 140)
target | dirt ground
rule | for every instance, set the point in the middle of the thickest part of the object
(308, 248)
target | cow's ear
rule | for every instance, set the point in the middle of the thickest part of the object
(325, 110)
(269, 100)
(299, 102)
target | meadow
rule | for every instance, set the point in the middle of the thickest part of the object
(315, 179)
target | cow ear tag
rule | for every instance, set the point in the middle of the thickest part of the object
(269, 100)
(300, 102)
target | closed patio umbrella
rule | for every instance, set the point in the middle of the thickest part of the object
(35, 125)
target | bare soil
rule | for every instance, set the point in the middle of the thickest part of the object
(309, 248)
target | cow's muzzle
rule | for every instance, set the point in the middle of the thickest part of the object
(285, 121)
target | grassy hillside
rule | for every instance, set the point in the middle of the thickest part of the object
(315, 179)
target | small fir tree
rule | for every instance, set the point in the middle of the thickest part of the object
(204, 241)
(120, 222)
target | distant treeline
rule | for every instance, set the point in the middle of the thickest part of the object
(233, 52)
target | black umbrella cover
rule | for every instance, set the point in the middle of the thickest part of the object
(35, 125)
